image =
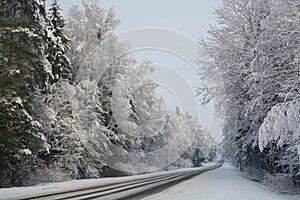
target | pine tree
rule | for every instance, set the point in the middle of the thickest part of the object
(22, 73)
(57, 45)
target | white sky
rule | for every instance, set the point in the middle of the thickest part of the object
(191, 18)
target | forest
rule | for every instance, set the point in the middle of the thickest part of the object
(75, 104)
(252, 62)
(70, 107)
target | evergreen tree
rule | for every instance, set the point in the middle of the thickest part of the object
(22, 73)
(57, 45)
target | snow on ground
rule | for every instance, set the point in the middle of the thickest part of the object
(15, 192)
(225, 183)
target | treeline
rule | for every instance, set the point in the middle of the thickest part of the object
(251, 61)
(74, 103)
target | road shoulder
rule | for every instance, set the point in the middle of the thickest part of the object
(225, 183)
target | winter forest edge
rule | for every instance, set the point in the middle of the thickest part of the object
(69, 97)
(252, 60)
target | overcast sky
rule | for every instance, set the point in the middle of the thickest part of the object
(186, 21)
(191, 17)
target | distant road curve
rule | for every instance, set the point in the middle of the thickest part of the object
(133, 189)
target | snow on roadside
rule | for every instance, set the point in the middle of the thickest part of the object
(225, 183)
(45, 188)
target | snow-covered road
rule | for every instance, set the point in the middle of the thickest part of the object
(225, 183)
(133, 187)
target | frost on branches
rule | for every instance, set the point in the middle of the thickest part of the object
(71, 95)
(282, 125)
(252, 65)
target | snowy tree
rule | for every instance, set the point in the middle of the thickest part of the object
(281, 125)
(95, 52)
(23, 73)
(277, 75)
(54, 128)
(87, 29)
(68, 121)
(136, 113)
(57, 45)
(255, 54)
(98, 65)
(95, 137)
(202, 148)
(230, 52)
